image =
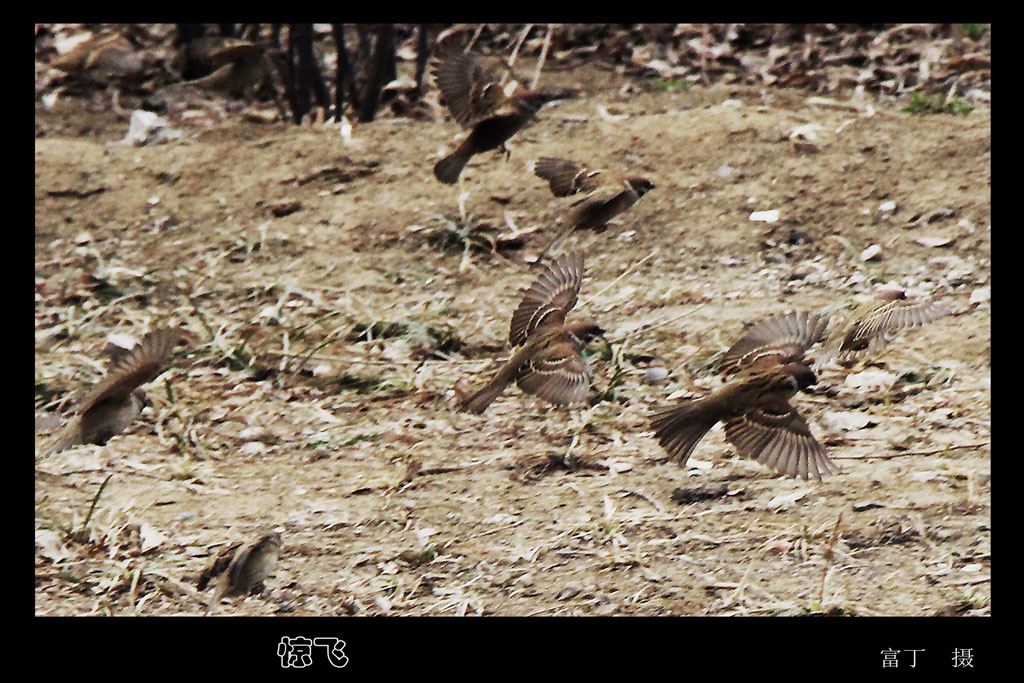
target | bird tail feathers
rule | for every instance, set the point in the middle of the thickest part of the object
(681, 427)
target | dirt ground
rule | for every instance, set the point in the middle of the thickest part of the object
(338, 308)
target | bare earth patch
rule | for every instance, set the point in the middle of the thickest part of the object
(334, 421)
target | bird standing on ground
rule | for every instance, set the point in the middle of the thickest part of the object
(549, 364)
(242, 568)
(114, 403)
(477, 100)
(767, 369)
(605, 194)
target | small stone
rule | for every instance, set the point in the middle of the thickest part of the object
(933, 241)
(771, 216)
(799, 237)
(871, 253)
(655, 374)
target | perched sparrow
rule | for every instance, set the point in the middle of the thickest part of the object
(875, 323)
(113, 404)
(767, 364)
(549, 364)
(476, 99)
(605, 194)
(242, 568)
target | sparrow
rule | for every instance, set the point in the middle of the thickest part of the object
(874, 324)
(114, 403)
(549, 363)
(766, 368)
(241, 568)
(477, 100)
(106, 58)
(606, 194)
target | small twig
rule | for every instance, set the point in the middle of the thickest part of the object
(654, 326)
(828, 559)
(135, 583)
(640, 494)
(476, 35)
(969, 582)
(103, 469)
(493, 531)
(363, 361)
(515, 50)
(331, 338)
(95, 501)
(543, 56)
(195, 307)
(617, 374)
(429, 471)
(98, 311)
(575, 442)
(616, 280)
(900, 455)
(737, 595)
(542, 610)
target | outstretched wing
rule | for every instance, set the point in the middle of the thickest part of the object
(556, 373)
(777, 340)
(896, 315)
(775, 434)
(469, 90)
(218, 566)
(549, 298)
(568, 177)
(127, 371)
(868, 330)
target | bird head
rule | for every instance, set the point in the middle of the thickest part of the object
(140, 399)
(585, 332)
(533, 100)
(802, 375)
(641, 185)
(892, 294)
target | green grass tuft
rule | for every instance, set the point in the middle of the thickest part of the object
(922, 103)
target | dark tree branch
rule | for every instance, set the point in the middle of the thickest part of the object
(298, 97)
(343, 79)
(381, 68)
(422, 54)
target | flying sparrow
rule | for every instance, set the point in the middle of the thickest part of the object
(114, 403)
(874, 324)
(241, 568)
(767, 370)
(605, 194)
(549, 364)
(476, 99)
